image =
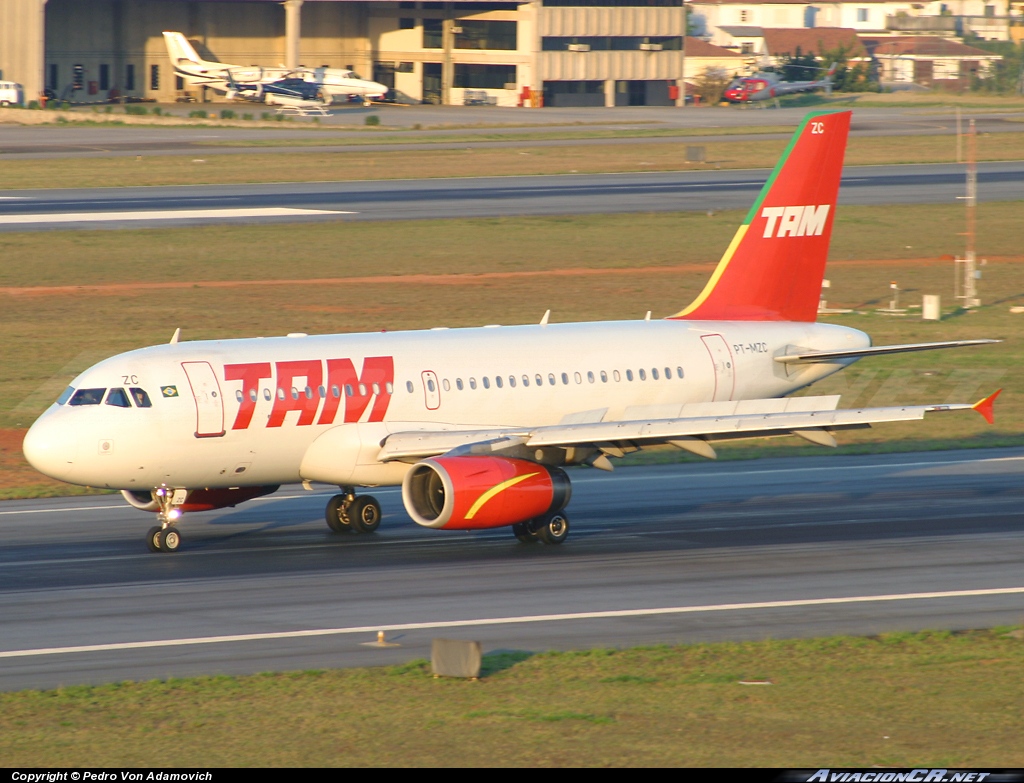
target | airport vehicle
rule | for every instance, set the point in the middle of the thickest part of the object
(333, 83)
(478, 424)
(11, 94)
(770, 86)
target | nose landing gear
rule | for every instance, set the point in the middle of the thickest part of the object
(350, 512)
(165, 537)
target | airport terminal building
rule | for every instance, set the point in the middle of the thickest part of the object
(571, 52)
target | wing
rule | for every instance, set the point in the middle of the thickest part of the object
(586, 437)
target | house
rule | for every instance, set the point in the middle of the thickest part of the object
(930, 61)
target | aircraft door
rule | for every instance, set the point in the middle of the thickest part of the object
(724, 366)
(431, 390)
(209, 402)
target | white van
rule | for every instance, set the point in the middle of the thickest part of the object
(11, 94)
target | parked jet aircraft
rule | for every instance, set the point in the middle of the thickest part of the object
(766, 86)
(477, 424)
(334, 83)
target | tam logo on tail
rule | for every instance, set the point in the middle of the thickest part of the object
(774, 272)
(808, 221)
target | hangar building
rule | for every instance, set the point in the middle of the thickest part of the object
(574, 52)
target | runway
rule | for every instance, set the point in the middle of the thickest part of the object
(666, 554)
(479, 197)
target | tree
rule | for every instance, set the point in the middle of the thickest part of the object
(711, 84)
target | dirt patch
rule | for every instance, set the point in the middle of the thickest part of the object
(440, 279)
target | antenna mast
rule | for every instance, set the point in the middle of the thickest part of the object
(967, 290)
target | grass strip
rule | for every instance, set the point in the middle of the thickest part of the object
(937, 699)
(209, 168)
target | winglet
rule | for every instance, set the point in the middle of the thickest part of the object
(984, 407)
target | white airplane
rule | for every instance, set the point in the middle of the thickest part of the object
(477, 424)
(333, 83)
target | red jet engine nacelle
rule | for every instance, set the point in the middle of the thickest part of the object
(478, 492)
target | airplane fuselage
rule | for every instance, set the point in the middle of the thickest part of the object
(233, 413)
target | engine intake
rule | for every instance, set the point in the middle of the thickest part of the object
(477, 492)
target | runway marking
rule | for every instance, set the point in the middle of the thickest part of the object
(164, 214)
(543, 618)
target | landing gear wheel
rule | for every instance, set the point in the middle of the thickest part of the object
(523, 533)
(554, 530)
(170, 540)
(337, 514)
(365, 514)
(153, 538)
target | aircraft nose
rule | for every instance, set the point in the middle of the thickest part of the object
(50, 447)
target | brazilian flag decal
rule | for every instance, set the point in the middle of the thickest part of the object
(169, 391)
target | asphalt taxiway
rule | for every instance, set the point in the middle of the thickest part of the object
(667, 554)
(115, 208)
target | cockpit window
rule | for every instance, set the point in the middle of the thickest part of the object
(140, 397)
(119, 398)
(66, 395)
(87, 397)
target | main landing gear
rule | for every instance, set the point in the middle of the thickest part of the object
(165, 537)
(350, 512)
(551, 529)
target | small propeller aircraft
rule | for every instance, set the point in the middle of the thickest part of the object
(770, 86)
(329, 83)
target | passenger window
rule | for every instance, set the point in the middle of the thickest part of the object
(142, 399)
(590, 376)
(322, 392)
(604, 377)
(679, 371)
(295, 393)
(430, 385)
(643, 375)
(408, 387)
(668, 373)
(458, 384)
(445, 385)
(512, 381)
(362, 390)
(616, 376)
(391, 389)
(349, 391)
(266, 394)
(238, 395)
(335, 392)
(66, 395)
(376, 387)
(118, 398)
(252, 395)
(280, 393)
(578, 377)
(654, 373)
(551, 378)
(309, 393)
(629, 375)
(565, 379)
(87, 397)
(497, 381)
(526, 380)
(540, 379)
(487, 382)
(472, 383)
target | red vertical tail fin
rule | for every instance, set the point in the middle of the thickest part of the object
(773, 268)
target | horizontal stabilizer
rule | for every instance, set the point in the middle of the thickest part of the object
(879, 350)
(985, 406)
